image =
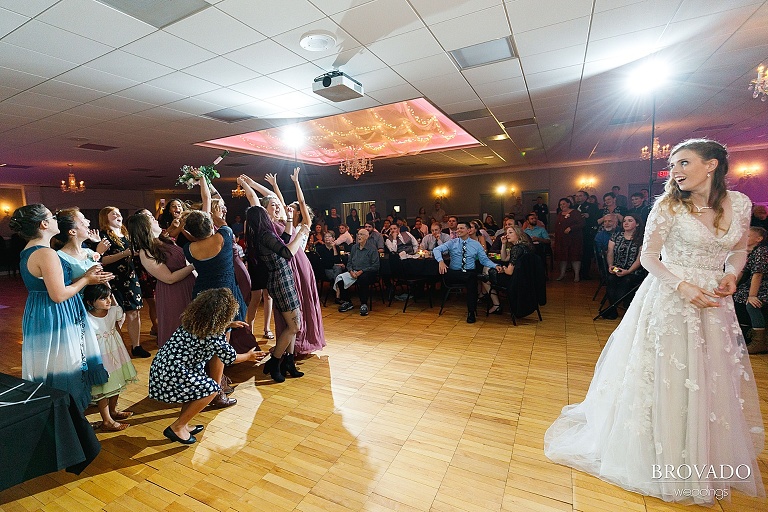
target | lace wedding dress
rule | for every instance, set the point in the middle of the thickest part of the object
(673, 396)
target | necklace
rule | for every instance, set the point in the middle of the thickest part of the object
(700, 209)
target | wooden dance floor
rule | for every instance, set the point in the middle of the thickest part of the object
(401, 411)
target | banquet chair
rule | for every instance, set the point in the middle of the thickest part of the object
(527, 290)
(448, 289)
(602, 268)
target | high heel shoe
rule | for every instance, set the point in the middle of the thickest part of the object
(272, 368)
(495, 309)
(288, 366)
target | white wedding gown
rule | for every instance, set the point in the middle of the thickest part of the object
(673, 389)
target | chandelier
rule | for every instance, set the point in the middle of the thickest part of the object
(355, 166)
(759, 85)
(238, 192)
(70, 185)
(659, 152)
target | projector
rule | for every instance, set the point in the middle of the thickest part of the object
(336, 86)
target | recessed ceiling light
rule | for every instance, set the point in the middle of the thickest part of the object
(483, 53)
(488, 157)
(158, 14)
(3, 165)
(317, 41)
(501, 136)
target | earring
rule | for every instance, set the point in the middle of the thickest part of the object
(709, 175)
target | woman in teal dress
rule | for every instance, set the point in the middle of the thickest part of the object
(55, 333)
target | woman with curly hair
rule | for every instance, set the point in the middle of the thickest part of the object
(118, 259)
(673, 389)
(178, 372)
(623, 257)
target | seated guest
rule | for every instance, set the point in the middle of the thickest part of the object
(537, 232)
(477, 233)
(450, 229)
(363, 269)
(464, 252)
(640, 209)
(400, 240)
(374, 237)
(344, 239)
(385, 226)
(759, 216)
(508, 223)
(444, 222)
(178, 372)
(419, 230)
(330, 258)
(317, 235)
(434, 239)
(624, 270)
(751, 297)
(333, 221)
(605, 233)
(513, 245)
(490, 224)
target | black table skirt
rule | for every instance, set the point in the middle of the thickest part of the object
(46, 434)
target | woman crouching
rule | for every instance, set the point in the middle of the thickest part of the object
(178, 372)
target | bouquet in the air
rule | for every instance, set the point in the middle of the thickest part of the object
(190, 175)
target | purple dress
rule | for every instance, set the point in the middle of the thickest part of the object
(311, 335)
(172, 299)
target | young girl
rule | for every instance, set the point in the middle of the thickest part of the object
(178, 373)
(105, 316)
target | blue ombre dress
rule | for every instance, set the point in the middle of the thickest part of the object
(59, 347)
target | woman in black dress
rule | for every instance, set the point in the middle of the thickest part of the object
(178, 372)
(274, 255)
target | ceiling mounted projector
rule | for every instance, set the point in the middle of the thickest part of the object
(336, 86)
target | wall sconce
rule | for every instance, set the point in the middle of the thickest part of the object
(587, 184)
(503, 189)
(441, 193)
(747, 173)
(6, 210)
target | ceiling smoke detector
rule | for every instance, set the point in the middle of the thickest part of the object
(317, 41)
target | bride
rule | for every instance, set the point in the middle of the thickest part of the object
(672, 410)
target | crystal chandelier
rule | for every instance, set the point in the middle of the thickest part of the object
(70, 185)
(355, 166)
(238, 192)
(659, 152)
(759, 85)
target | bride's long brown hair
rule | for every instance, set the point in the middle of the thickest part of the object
(707, 150)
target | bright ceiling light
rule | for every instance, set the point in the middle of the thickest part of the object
(648, 76)
(293, 137)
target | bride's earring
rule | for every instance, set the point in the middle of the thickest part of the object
(709, 175)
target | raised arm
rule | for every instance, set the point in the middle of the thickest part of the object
(272, 180)
(205, 193)
(243, 181)
(300, 197)
(258, 187)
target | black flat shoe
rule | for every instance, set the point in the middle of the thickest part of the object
(471, 317)
(170, 434)
(139, 351)
(196, 430)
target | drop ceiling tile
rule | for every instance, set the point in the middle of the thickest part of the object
(623, 49)
(49, 40)
(319, 110)
(688, 10)
(92, 111)
(475, 28)
(298, 77)
(294, 100)
(73, 120)
(274, 17)
(163, 114)
(379, 20)
(28, 61)
(149, 94)
(94, 20)
(129, 66)
(7, 92)
(215, 30)
(513, 111)
(121, 104)
(614, 22)
(227, 98)
(262, 87)
(84, 76)
(66, 91)
(183, 84)
(10, 21)
(292, 38)
(553, 37)
(353, 62)
(436, 11)
(493, 72)
(168, 50)
(194, 106)
(335, 6)
(525, 15)
(265, 57)
(29, 8)
(25, 111)
(432, 66)
(380, 79)
(462, 106)
(505, 99)
(420, 44)
(501, 87)
(32, 99)
(573, 55)
(259, 108)
(394, 94)
(19, 79)
(221, 71)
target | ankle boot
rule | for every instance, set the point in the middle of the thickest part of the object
(272, 367)
(288, 366)
(758, 345)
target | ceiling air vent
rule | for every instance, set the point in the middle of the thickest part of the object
(471, 114)
(97, 147)
(519, 122)
(713, 128)
(228, 115)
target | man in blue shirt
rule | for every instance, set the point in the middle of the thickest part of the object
(464, 252)
(537, 233)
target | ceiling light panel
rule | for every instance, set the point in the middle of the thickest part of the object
(474, 28)
(157, 14)
(482, 54)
